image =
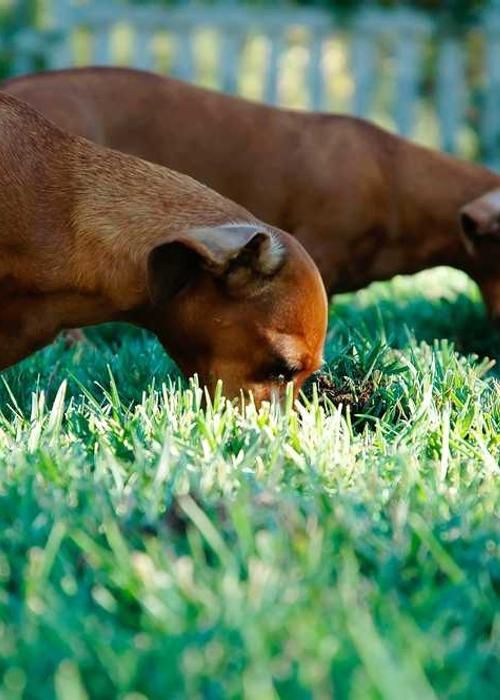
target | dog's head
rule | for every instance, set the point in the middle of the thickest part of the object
(480, 221)
(243, 303)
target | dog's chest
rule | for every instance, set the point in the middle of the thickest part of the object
(16, 298)
(11, 287)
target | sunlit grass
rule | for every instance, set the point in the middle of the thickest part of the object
(152, 547)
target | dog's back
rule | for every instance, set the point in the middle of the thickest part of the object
(32, 166)
(281, 165)
(233, 145)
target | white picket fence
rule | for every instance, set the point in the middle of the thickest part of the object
(376, 64)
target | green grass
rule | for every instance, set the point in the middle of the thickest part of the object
(152, 548)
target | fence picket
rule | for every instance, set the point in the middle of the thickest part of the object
(101, 54)
(449, 92)
(407, 59)
(143, 55)
(183, 66)
(363, 65)
(229, 61)
(315, 75)
(276, 49)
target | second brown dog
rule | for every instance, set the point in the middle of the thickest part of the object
(366, 204)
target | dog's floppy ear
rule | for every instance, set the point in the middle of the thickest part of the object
(236, 253)
(481, 218)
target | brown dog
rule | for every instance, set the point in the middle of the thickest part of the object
(90, 235)
(366, 204)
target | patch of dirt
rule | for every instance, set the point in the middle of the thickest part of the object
(356, 397)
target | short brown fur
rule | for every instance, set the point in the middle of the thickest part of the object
(90, 235)
(366, 204)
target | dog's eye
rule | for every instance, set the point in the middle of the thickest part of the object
(282, 371)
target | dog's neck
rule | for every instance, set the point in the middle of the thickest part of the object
(408, 216)
(431, 189)
(417, 224)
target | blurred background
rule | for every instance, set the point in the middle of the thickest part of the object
(429, 70)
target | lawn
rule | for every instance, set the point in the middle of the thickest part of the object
(150, 548)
